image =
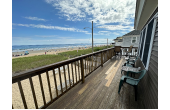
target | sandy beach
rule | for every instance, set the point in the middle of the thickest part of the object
(50, 51)
(42, 52)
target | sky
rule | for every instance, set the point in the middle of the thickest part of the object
(38, 22)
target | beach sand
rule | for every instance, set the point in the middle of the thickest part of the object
(51, 51)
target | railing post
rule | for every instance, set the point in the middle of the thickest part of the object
(101, 59)
(82, 70)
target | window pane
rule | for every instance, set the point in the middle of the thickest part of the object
(147, 42)
(143, 36)
(133, 41)
(134, 38)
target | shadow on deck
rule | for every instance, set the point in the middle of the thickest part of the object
(100, 91)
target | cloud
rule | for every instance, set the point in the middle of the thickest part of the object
(46, 36)
(117, 27)
(51, 27)
(100, 11)
(35, 18)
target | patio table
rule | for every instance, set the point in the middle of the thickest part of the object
(130, 69)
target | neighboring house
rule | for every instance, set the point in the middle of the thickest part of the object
(146, 20)
(131, 38)
(118, 41)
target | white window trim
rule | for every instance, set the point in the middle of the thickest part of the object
(133, 39)
(151, 42)
(144, 41)
(141, 34)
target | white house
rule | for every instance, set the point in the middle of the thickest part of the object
(131, 38)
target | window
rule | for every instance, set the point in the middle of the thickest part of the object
(134, 40)
(146, 42)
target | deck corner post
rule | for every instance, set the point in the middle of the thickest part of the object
(82, 70)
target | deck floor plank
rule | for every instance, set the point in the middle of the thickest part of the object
(94, 94)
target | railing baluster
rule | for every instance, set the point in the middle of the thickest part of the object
(95, 61)
(78, 70)
(92, 63)
(72, 72)
(101, 59)
(69, 74)
(75, 70)
(42, 90)
(55, 82)
(60, 80)
(82, 70)
(49, 86)
(22, 94)
(33, 92)
(85, 66)
(89, 63)
(65, 77)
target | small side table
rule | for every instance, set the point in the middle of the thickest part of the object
(131, 69)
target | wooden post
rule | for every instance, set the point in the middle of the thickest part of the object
(33, 92)
(101, 59)
(82, 70)
(22, 94)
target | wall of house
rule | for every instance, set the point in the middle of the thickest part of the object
(148, 86)
(127, 41)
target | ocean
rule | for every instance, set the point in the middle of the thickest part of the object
(19, 48)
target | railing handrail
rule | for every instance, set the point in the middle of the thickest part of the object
(51, 66)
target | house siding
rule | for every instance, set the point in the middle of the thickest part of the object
(127, 41)
(148, 86)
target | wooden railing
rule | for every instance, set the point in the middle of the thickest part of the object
(38, 88)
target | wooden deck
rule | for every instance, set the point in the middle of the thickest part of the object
(100, 91)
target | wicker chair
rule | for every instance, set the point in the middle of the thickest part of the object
(118, 51)
(129, 51)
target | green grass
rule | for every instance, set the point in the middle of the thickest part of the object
(27, 63)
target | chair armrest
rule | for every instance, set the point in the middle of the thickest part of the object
(131, 78)
(134, 72)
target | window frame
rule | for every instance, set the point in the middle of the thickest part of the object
(151, 41)
(133, 39)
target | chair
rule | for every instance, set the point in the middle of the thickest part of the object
(129, 51)
(131, 81)
(131, 61)
(118, 50)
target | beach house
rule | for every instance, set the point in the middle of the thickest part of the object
(131, 38)
(92, 80)
(118, 41)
